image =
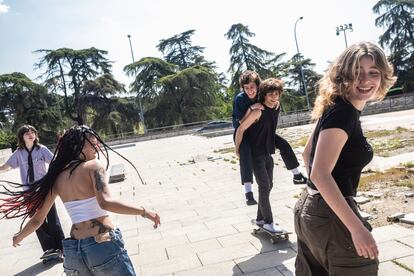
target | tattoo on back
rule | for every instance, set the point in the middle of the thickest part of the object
(102, 227)
(99, 179)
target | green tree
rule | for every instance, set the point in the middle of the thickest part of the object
(179, 50)
(246, 56)
(147, 72)
(294, 98)
(67, 70)
(397, 17)
(182, 88)
(26, 102)
(99, 104)
(189, 96)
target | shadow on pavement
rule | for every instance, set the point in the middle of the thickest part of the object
(270, 260)
(37, 268)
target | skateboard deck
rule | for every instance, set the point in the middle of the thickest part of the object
(274, 237)
(52, 257)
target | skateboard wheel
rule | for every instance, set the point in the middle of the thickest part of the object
(44, 261)
(255, 231)
(273, 241)
(286, 237)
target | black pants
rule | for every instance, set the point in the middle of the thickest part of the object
(325, 245)
(50, 233)
(286, 151)
(263, 171)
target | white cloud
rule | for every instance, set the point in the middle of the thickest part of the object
(3, 7)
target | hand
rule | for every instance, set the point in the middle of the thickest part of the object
(154, 217)
(17, 239)
(257, 106)
(364, 243)
(237, 150)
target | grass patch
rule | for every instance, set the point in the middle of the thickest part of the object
(301, 142)
(384, 146)
(233, 162)
(408, 164)
(398, 176)
(225, 150)
(384, 132)
(384, 141)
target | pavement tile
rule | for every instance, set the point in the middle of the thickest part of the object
(184, 230)
(408, 262)
(225, 268)
(149, 256)
(171, 266)
(163, 243)
(391, 232)
(213, 233)
(287, 268)
(390, 268)
(225, 220)
(266, 272)
(192, 248)
(409, 241)
(263, 261)
(227, 254)
(391, 250)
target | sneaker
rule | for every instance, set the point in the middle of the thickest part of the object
(299, 179)
(271, 227)
(260, 223)
(250, 199)
(48, 253)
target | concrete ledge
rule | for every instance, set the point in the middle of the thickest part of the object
(117, 173)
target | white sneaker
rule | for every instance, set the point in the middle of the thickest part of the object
(260, 223)
(272, 228)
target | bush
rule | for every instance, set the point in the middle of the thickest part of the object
(7, 140)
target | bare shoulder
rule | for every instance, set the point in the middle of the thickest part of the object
(94, 165)
(256, 113)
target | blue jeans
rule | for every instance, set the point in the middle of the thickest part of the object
(87, 257)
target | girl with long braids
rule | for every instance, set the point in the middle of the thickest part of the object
(95, 246)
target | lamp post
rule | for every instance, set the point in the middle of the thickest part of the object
(301, 69)
(344, 28)
(141, 111)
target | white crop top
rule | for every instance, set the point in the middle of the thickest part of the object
(84, 209)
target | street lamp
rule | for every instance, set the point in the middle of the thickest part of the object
(141, 111)
(344, 28)
(301, 69)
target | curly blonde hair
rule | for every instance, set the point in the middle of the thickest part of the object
(343, 72)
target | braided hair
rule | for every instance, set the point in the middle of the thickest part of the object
(68, 155)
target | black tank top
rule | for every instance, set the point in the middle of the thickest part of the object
(261, 134)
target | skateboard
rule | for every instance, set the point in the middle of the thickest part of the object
(56, 256)
(274, 237)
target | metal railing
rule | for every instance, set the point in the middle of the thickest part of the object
(295, 118)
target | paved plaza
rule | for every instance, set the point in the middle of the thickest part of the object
(194, 184)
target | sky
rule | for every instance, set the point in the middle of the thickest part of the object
(29, 25)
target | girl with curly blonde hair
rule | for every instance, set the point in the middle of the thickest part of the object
(333, 239)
